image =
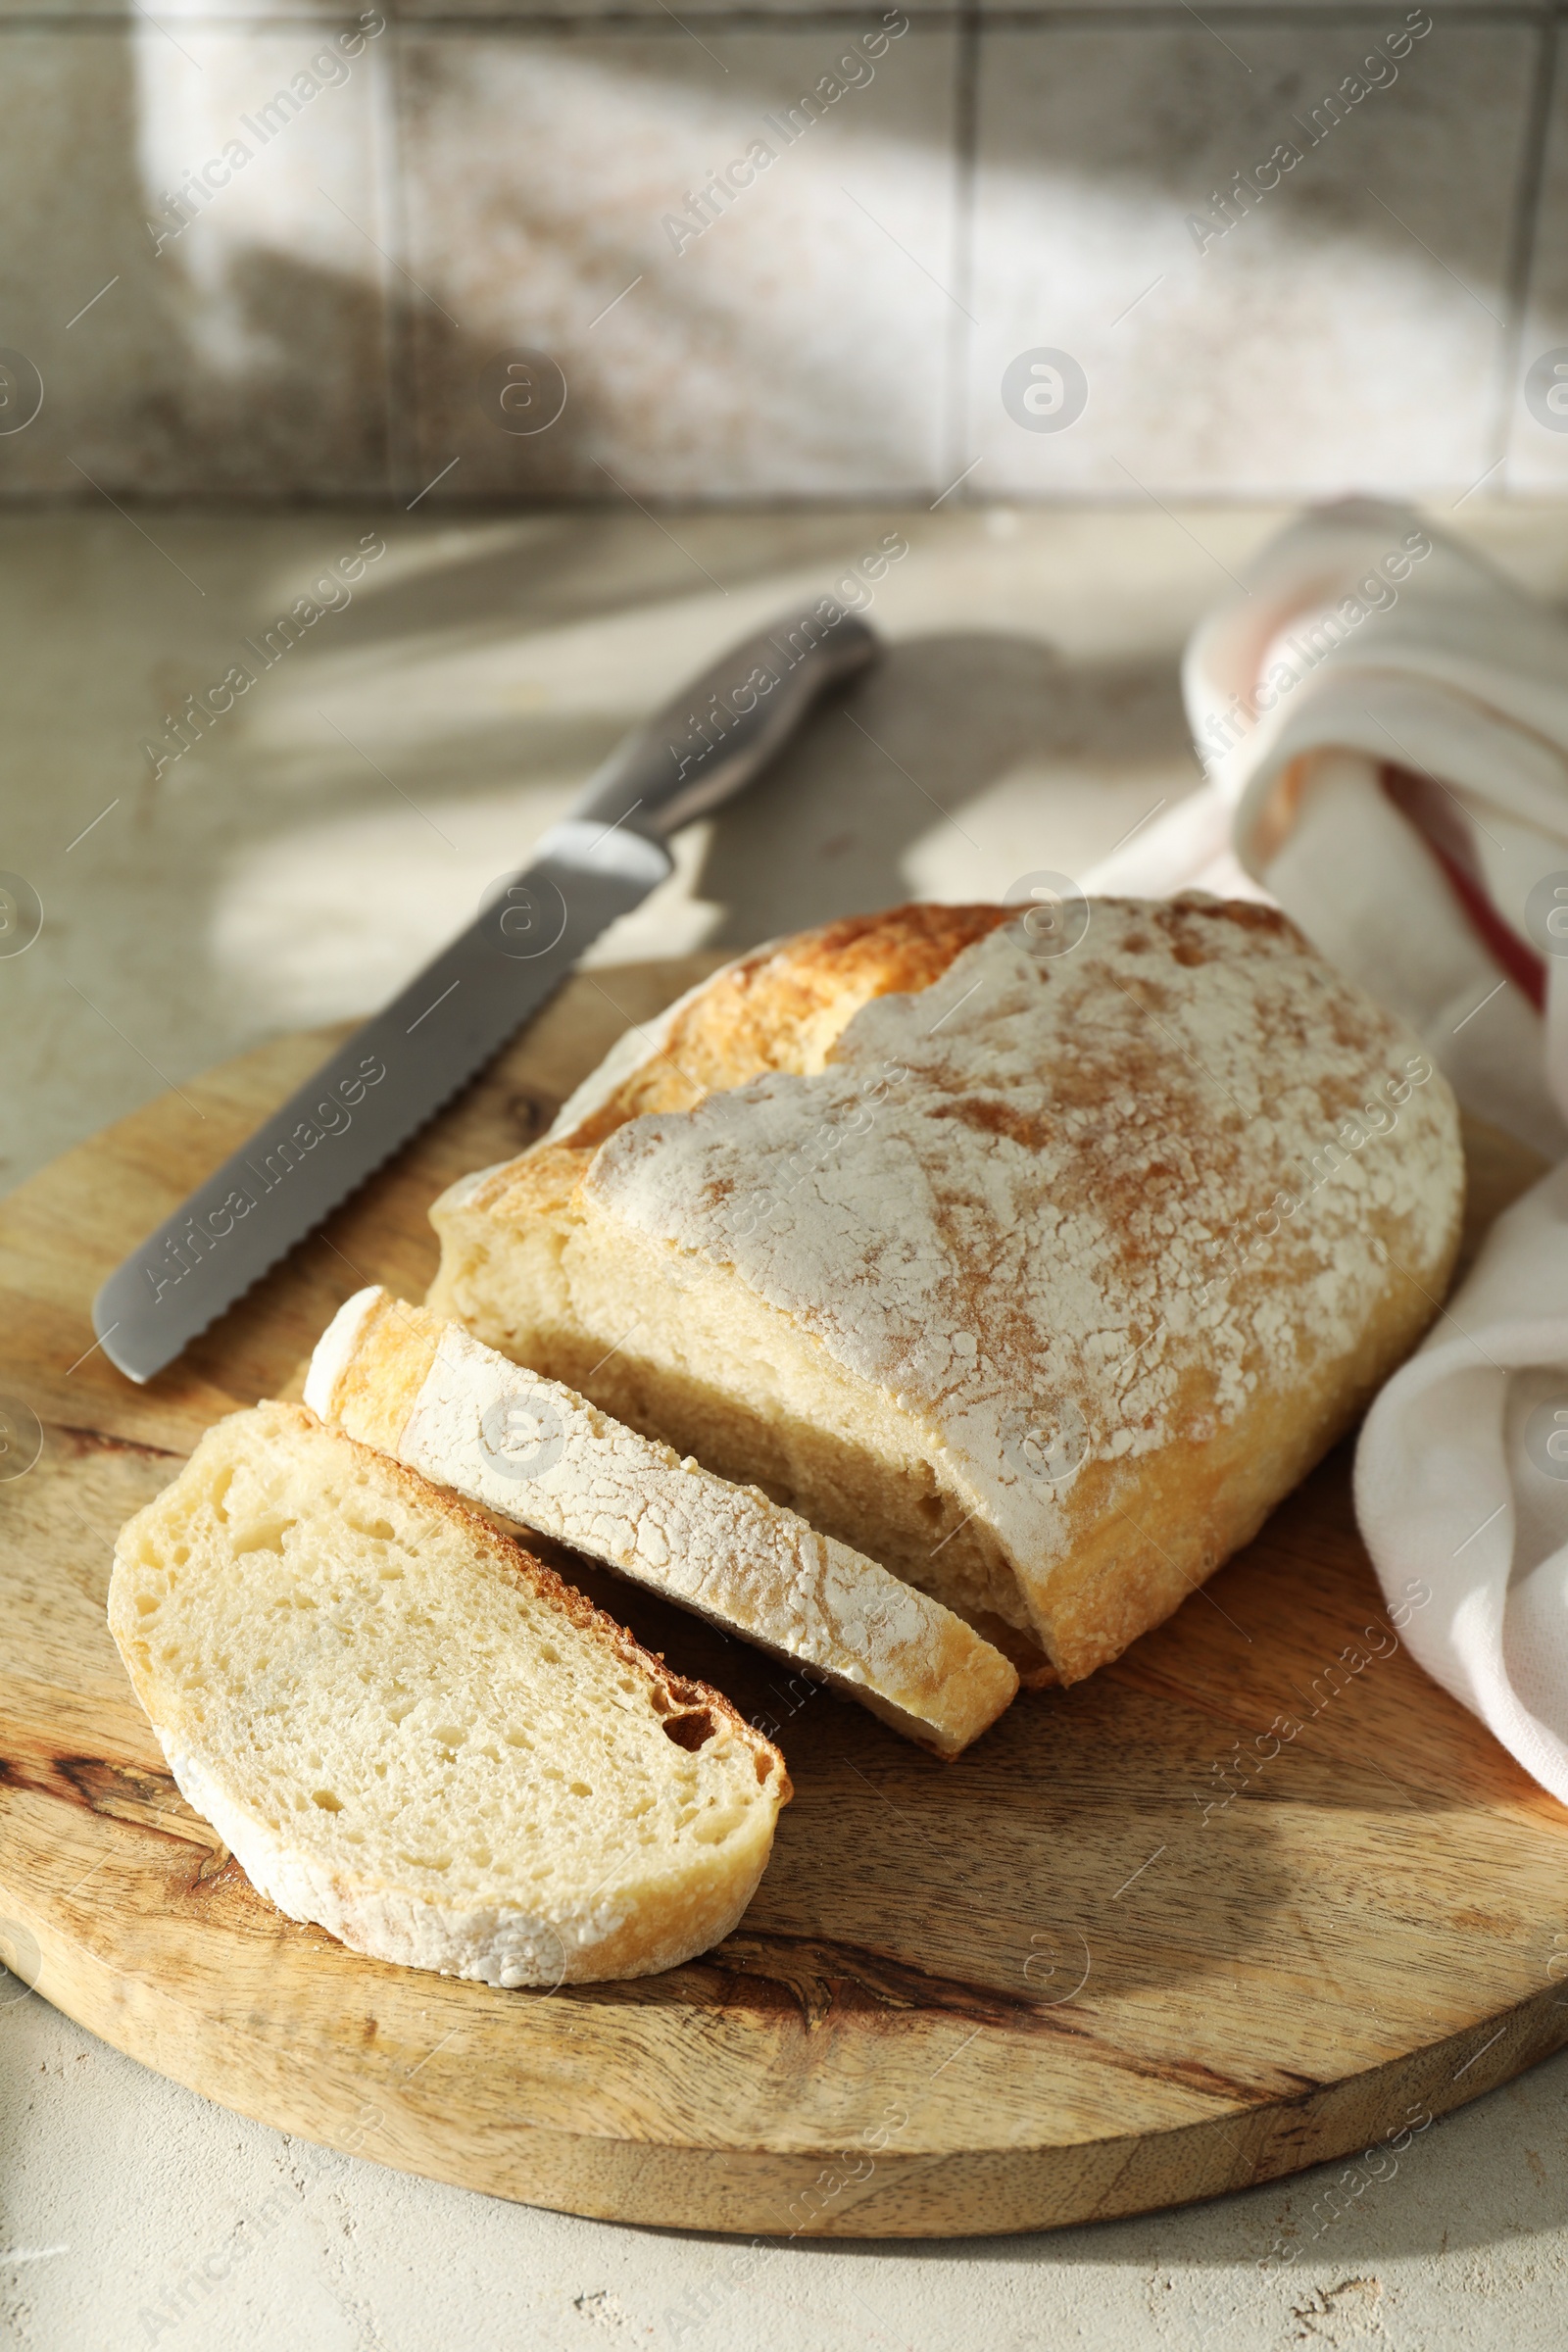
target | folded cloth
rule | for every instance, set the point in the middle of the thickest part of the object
(1461, 1488)
(1383, 721)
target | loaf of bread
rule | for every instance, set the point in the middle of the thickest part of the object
(401, 1379)
(1036, 1266)
(406, 1729)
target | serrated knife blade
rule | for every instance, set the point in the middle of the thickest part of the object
(399, 1068)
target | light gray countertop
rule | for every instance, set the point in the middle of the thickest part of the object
(293, 867)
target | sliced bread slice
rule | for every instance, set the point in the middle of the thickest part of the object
(418, 1386)
(1039, 1268)
(410, 1731)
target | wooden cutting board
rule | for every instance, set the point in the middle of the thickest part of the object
(1067, 1977)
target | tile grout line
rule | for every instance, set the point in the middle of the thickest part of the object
(970, 22)
(965, 163)
(1520, 266)
(400, 341)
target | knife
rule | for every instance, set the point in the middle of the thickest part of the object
(396, 1071)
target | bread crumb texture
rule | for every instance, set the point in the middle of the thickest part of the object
(1038, 1277)
(408, 1730)
(1028, 1199)
(539, 1455)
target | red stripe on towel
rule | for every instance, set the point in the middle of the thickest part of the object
(1446, 830)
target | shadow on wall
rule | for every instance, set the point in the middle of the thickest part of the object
(267, 350)
(798, 349)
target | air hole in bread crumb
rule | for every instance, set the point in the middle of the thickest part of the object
(269, 1537)
(690, 1732)
(146, 1602)
(326, 1800)
(765, 1769)
(580, 1789)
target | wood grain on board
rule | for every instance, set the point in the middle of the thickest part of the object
(1066, 1978)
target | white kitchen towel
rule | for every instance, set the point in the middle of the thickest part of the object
(1383, 721)
(1461, 1488)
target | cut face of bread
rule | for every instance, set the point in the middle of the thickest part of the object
(1039, 1277)
(408, 1730)
(400, 1378)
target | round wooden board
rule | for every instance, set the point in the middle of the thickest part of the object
(1054, 1981)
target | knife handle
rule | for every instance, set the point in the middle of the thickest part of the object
(727, 724)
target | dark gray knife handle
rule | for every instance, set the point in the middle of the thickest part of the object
(728, 723)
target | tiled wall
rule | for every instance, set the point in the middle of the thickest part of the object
(988, 184)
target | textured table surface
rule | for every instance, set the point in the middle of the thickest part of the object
(291, 866)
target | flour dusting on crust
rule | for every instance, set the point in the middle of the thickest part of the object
(538, 1454)
(1073, 1210)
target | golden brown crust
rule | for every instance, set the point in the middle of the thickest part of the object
(1021, 1650)
(784, 1008)
(1209, 1500)
(376, 1389)
(541, 1184)
(1144, 1533)
(504, 1927)
(722, 1549)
